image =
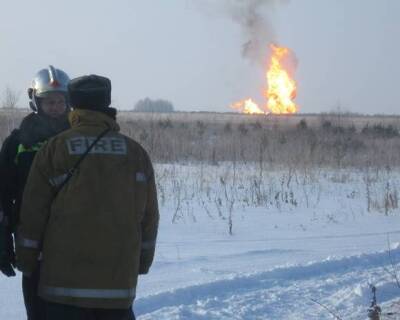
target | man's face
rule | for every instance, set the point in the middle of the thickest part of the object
(54, 104)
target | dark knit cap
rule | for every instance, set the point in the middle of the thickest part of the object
(91, 92)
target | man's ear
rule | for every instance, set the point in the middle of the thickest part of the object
(30, 93)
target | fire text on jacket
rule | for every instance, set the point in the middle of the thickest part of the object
(106, 145)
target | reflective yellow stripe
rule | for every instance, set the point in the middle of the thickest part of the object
(90, 293)
(23, 149)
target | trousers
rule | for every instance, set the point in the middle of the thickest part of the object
(35, 306)
(56, 311)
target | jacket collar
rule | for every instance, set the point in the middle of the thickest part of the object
(36, 128)
(84, 117)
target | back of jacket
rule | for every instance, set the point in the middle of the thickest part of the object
(98, 232)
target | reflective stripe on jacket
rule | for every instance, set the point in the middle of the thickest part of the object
(22, 149)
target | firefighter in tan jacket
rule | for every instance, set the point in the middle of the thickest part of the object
(94, 227)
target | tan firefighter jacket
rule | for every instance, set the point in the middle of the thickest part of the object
(99, 232)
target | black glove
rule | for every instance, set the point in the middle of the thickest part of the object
(7, 269)
(7, 257)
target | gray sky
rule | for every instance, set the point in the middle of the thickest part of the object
(190, 51)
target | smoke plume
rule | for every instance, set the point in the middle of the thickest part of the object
(252, 17)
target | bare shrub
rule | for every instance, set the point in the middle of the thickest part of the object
(10, 98)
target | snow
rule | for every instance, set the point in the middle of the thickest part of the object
(302, 242)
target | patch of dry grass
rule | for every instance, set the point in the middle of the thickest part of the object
(324, 140)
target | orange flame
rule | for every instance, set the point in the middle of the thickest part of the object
(281, 89)
(247, 106)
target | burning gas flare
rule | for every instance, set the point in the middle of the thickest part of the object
(247, 106)
(281, 90)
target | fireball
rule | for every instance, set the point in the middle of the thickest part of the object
(281, 87)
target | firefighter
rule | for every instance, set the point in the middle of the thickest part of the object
(48, 101)
(90, 206)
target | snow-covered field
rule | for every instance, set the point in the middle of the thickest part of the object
(302, 241)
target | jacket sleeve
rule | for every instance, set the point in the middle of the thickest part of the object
(8, 179)
(35, 210)
(149, 223)
(8, 195)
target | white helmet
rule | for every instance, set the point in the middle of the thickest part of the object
(46, 81)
